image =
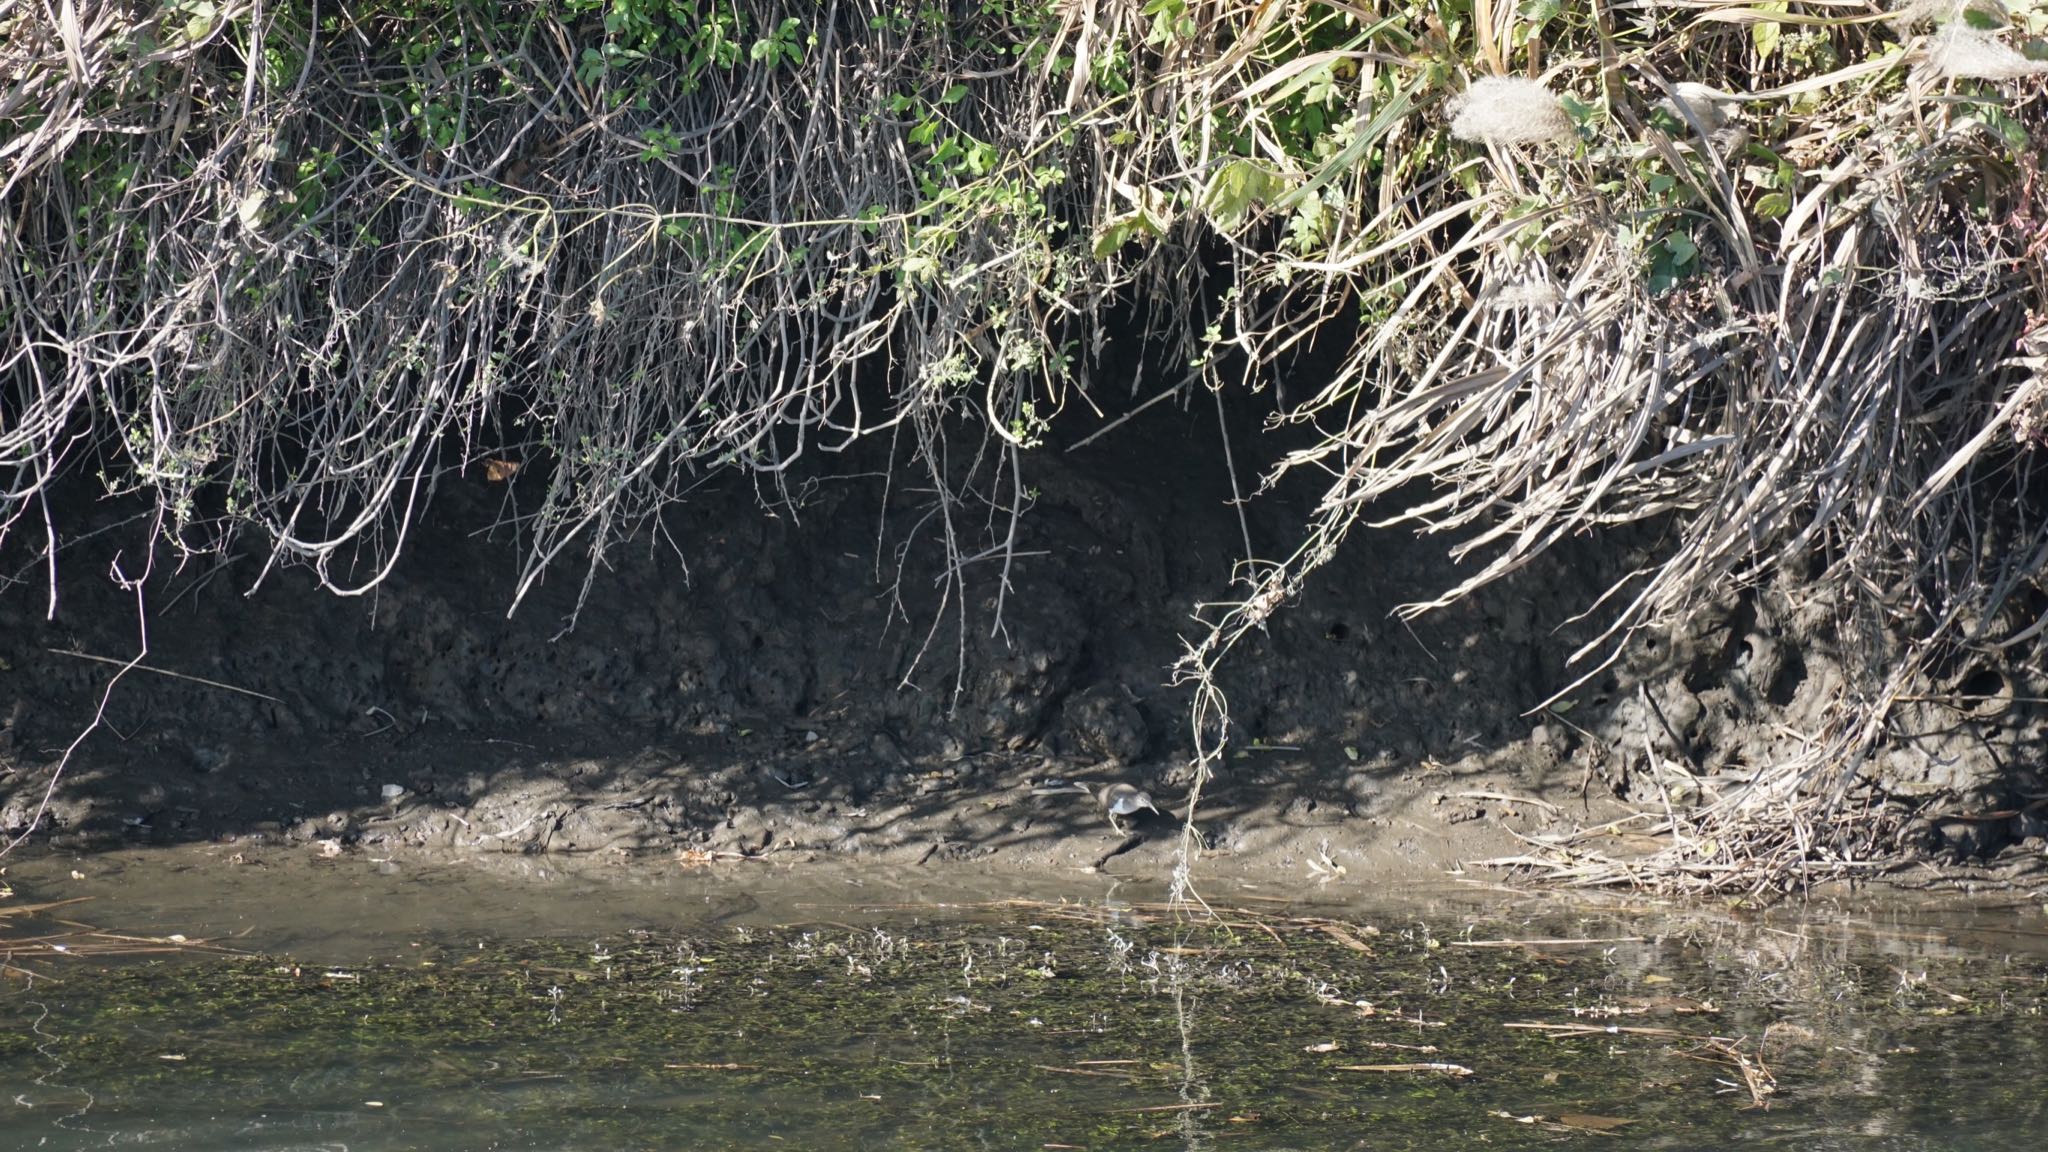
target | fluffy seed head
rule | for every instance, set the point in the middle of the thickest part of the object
(1532, 294)
(1508, 110)
(1967, 54)
(1910, 13)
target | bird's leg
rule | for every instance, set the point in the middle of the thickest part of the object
(1114, 826)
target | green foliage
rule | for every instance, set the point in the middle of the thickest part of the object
(1238, 187)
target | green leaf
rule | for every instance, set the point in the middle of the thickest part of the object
(200, 16)
(1365, 134)
(1581, 113)
(1671, 261)
(1765, 34)
(1125, 228)
(1111, 239)
(954, 95)
(2009, 129)
(1984, 18)
(1306, 227)
(1235, 189)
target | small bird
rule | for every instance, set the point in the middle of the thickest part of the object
(1712, 107)
(1124, 800)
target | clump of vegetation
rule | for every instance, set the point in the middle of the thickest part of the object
(1765, 273)
(274, 259)
(1769, 296)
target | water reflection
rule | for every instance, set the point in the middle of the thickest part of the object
(1098, 1024)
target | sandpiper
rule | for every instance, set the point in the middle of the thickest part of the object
(1124, 800)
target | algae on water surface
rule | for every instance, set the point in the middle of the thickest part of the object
(1045, 1026)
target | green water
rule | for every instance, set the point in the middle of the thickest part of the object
(1044, 1027)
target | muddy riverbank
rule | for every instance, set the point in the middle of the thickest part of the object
(799, 680)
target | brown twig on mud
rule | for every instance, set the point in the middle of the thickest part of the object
(1505, 799)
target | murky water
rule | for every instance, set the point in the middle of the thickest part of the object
(1089, 1022)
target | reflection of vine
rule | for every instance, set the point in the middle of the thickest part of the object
(45, 1047)
(1192, 1090)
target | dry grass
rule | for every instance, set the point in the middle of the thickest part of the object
(1786, 331)
(276, 296)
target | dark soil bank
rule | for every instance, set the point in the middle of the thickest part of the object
(800, 678)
